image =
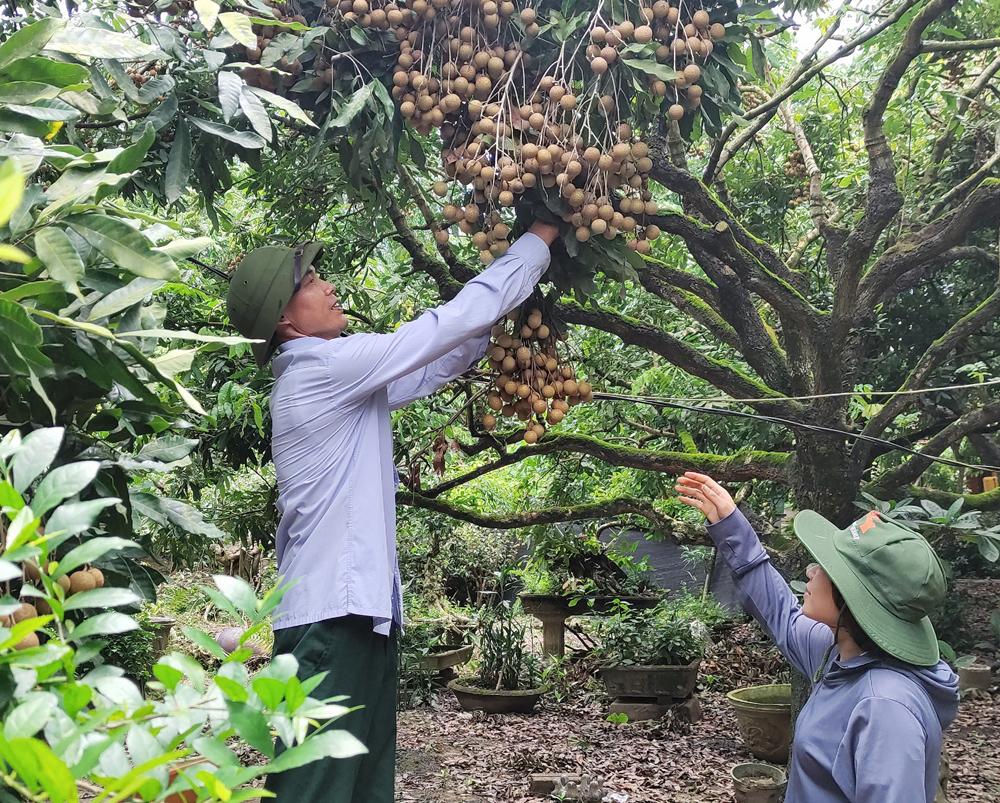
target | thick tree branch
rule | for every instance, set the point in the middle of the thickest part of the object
(966, 96)
(804, 72)
(958, 45)
(726, 377)
(422, 260)
(984, 501)
(884, 198)
(981, 208)
(973, 421)
(592, 510)
(963, 187)
(459, 270)
(736, 468)
(817, 201)
(936, 353)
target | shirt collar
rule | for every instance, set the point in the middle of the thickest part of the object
(300, 343)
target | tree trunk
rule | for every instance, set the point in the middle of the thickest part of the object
(824, 479)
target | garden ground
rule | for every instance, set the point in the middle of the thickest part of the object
(450, 756)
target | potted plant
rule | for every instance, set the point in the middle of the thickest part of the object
(571, 574)
(507, 679)
(650, 658)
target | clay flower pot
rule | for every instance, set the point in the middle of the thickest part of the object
(758, 783)
(494, 701)
(663, 682)
(975, 677)
(439, 661)
(764, 716)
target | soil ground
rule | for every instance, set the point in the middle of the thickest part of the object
(450, 756)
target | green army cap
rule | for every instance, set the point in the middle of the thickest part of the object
(261, 286)
(888, 575)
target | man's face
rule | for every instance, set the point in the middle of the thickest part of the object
(314, 310)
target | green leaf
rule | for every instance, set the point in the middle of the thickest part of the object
(130, 159)
(99, 43)
(256, 114)
(178, 164)
(19, 124)
(270, 690)
(988, 549)
(327, 744)
(289, 107)
(61, 483)
(124, 246)
(61, 260)
(29, 40)
(8, 570)
(32, 758)
(208, 13)
(206, 642)
(238, 592)
(11, 253)
(348, 111)
(30, 716)
(103, 624)
(239, 27)
(11, 190)
(132, 293)
(230, 88)
(73, 518)
(167, 675)
(59, 74)
(38, 449)
(245, 139)
(52, 110)
(26, 92)
(188, 518)
(90, 550)
(167, 449)
(102, 598)
(183, 247)
(251, 726)
(650, 67)
(16, 326)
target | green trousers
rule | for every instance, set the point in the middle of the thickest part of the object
(364, 666)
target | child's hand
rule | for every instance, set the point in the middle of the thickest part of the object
(704, 493)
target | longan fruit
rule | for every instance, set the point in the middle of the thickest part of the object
(81, 581)
(700, 18)
(692, 72)
(643, 34)
(494, 402)
(717, 30)
(528, 15)
(583, 234)
(530, 436)
(29, 641)
(489, 422)
(599, 65)
(26, 611)
(676, 111)
(64, 582)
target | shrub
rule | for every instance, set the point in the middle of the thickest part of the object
(655, 636)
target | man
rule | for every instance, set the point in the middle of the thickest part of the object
(332, 450)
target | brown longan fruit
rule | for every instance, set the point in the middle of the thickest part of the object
(692, 72)
(599, 65)
(700, 18)
(676, 111)
(489, 422)
(81, 581)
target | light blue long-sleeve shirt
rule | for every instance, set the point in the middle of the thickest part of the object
(871, 729)
(331, 440)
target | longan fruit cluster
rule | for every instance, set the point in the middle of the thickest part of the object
(530, 380)
(76, 582)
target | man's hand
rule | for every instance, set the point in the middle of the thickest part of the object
(704, 493)
(546, 231)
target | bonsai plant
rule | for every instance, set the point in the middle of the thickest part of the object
(508, 673)
(650, 658)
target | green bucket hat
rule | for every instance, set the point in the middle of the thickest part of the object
(261, 286)
(888, 575)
